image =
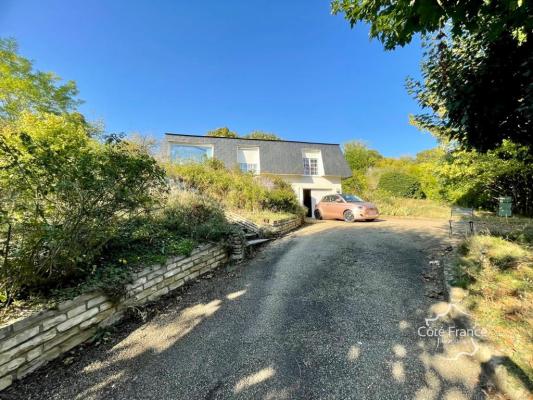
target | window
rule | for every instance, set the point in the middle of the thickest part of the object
(312, 162)
(248, 159)
(350, 198)
(310, 166)
(182, 153)
(248, 167)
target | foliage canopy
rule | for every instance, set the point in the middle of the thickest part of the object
(396, 22)
(359, 156)
(222, 132)
(477, 80)
(62, 194)
(400, 184)
(262, 135)
(470, 100)
(24, 89)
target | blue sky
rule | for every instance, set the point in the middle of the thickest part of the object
(186, 67)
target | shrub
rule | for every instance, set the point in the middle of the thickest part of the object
(233, 188)
(281, 197)
(400, 184)
(63, 195)
(356, 184)
(174, 229)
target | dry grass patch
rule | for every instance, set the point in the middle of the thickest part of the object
(405, 207)
(499, 276)
(262, 217)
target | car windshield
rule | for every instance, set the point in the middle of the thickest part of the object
(350, 198)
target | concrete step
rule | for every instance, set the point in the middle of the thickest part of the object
(250, 235)
(255, 242)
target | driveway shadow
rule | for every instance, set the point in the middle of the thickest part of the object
(330, 311)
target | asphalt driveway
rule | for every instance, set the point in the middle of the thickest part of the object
(329, 312)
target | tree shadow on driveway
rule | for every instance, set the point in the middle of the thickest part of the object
(330, 311)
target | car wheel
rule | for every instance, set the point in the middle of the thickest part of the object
(318, 215)
(348, 216)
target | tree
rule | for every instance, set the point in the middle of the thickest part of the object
(359, 157)
(262, 135)
(24, 89)
(146, 143)
(65, 188)
(222, 132)
(63, 194)
(477, 179)
(479, 92)
(477, 71)
(396, 22)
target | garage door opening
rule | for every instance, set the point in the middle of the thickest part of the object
(308, 202)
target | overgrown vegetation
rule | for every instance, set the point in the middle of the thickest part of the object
(400, 184)
(406, 207)
(227, 133)
(64, 193)
(405, 186)
(80, 209)
(498, 274)
(481, 116)
(235, 189)
(444, 175)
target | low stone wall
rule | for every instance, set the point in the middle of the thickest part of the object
(276, 228)
(244, 223)
(31, 342)
(283, 226)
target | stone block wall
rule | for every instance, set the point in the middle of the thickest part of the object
(31, 342)
(284, 226)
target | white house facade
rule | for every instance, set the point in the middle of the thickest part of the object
(313, 169)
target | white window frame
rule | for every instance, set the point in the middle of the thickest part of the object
(309, 168)
(308, 156)
(250, 167)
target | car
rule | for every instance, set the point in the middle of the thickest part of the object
(347, 207)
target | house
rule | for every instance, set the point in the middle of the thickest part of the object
(313, 169)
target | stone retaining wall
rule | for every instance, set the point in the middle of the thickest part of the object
(244, 223)
(283, 226)
(31, 342)
(276, 228)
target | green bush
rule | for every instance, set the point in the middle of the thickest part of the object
(400, 184)
(281, 197)
(78, 210)
(175, 229)
(63, 195)
(235, 189)
(356, 184)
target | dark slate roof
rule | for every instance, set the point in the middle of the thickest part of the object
(277, 156)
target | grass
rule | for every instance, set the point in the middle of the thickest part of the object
(405, 207)
(516, 228)
(499, 277)
(261, 216)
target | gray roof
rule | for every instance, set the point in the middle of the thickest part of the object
(277, 156)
